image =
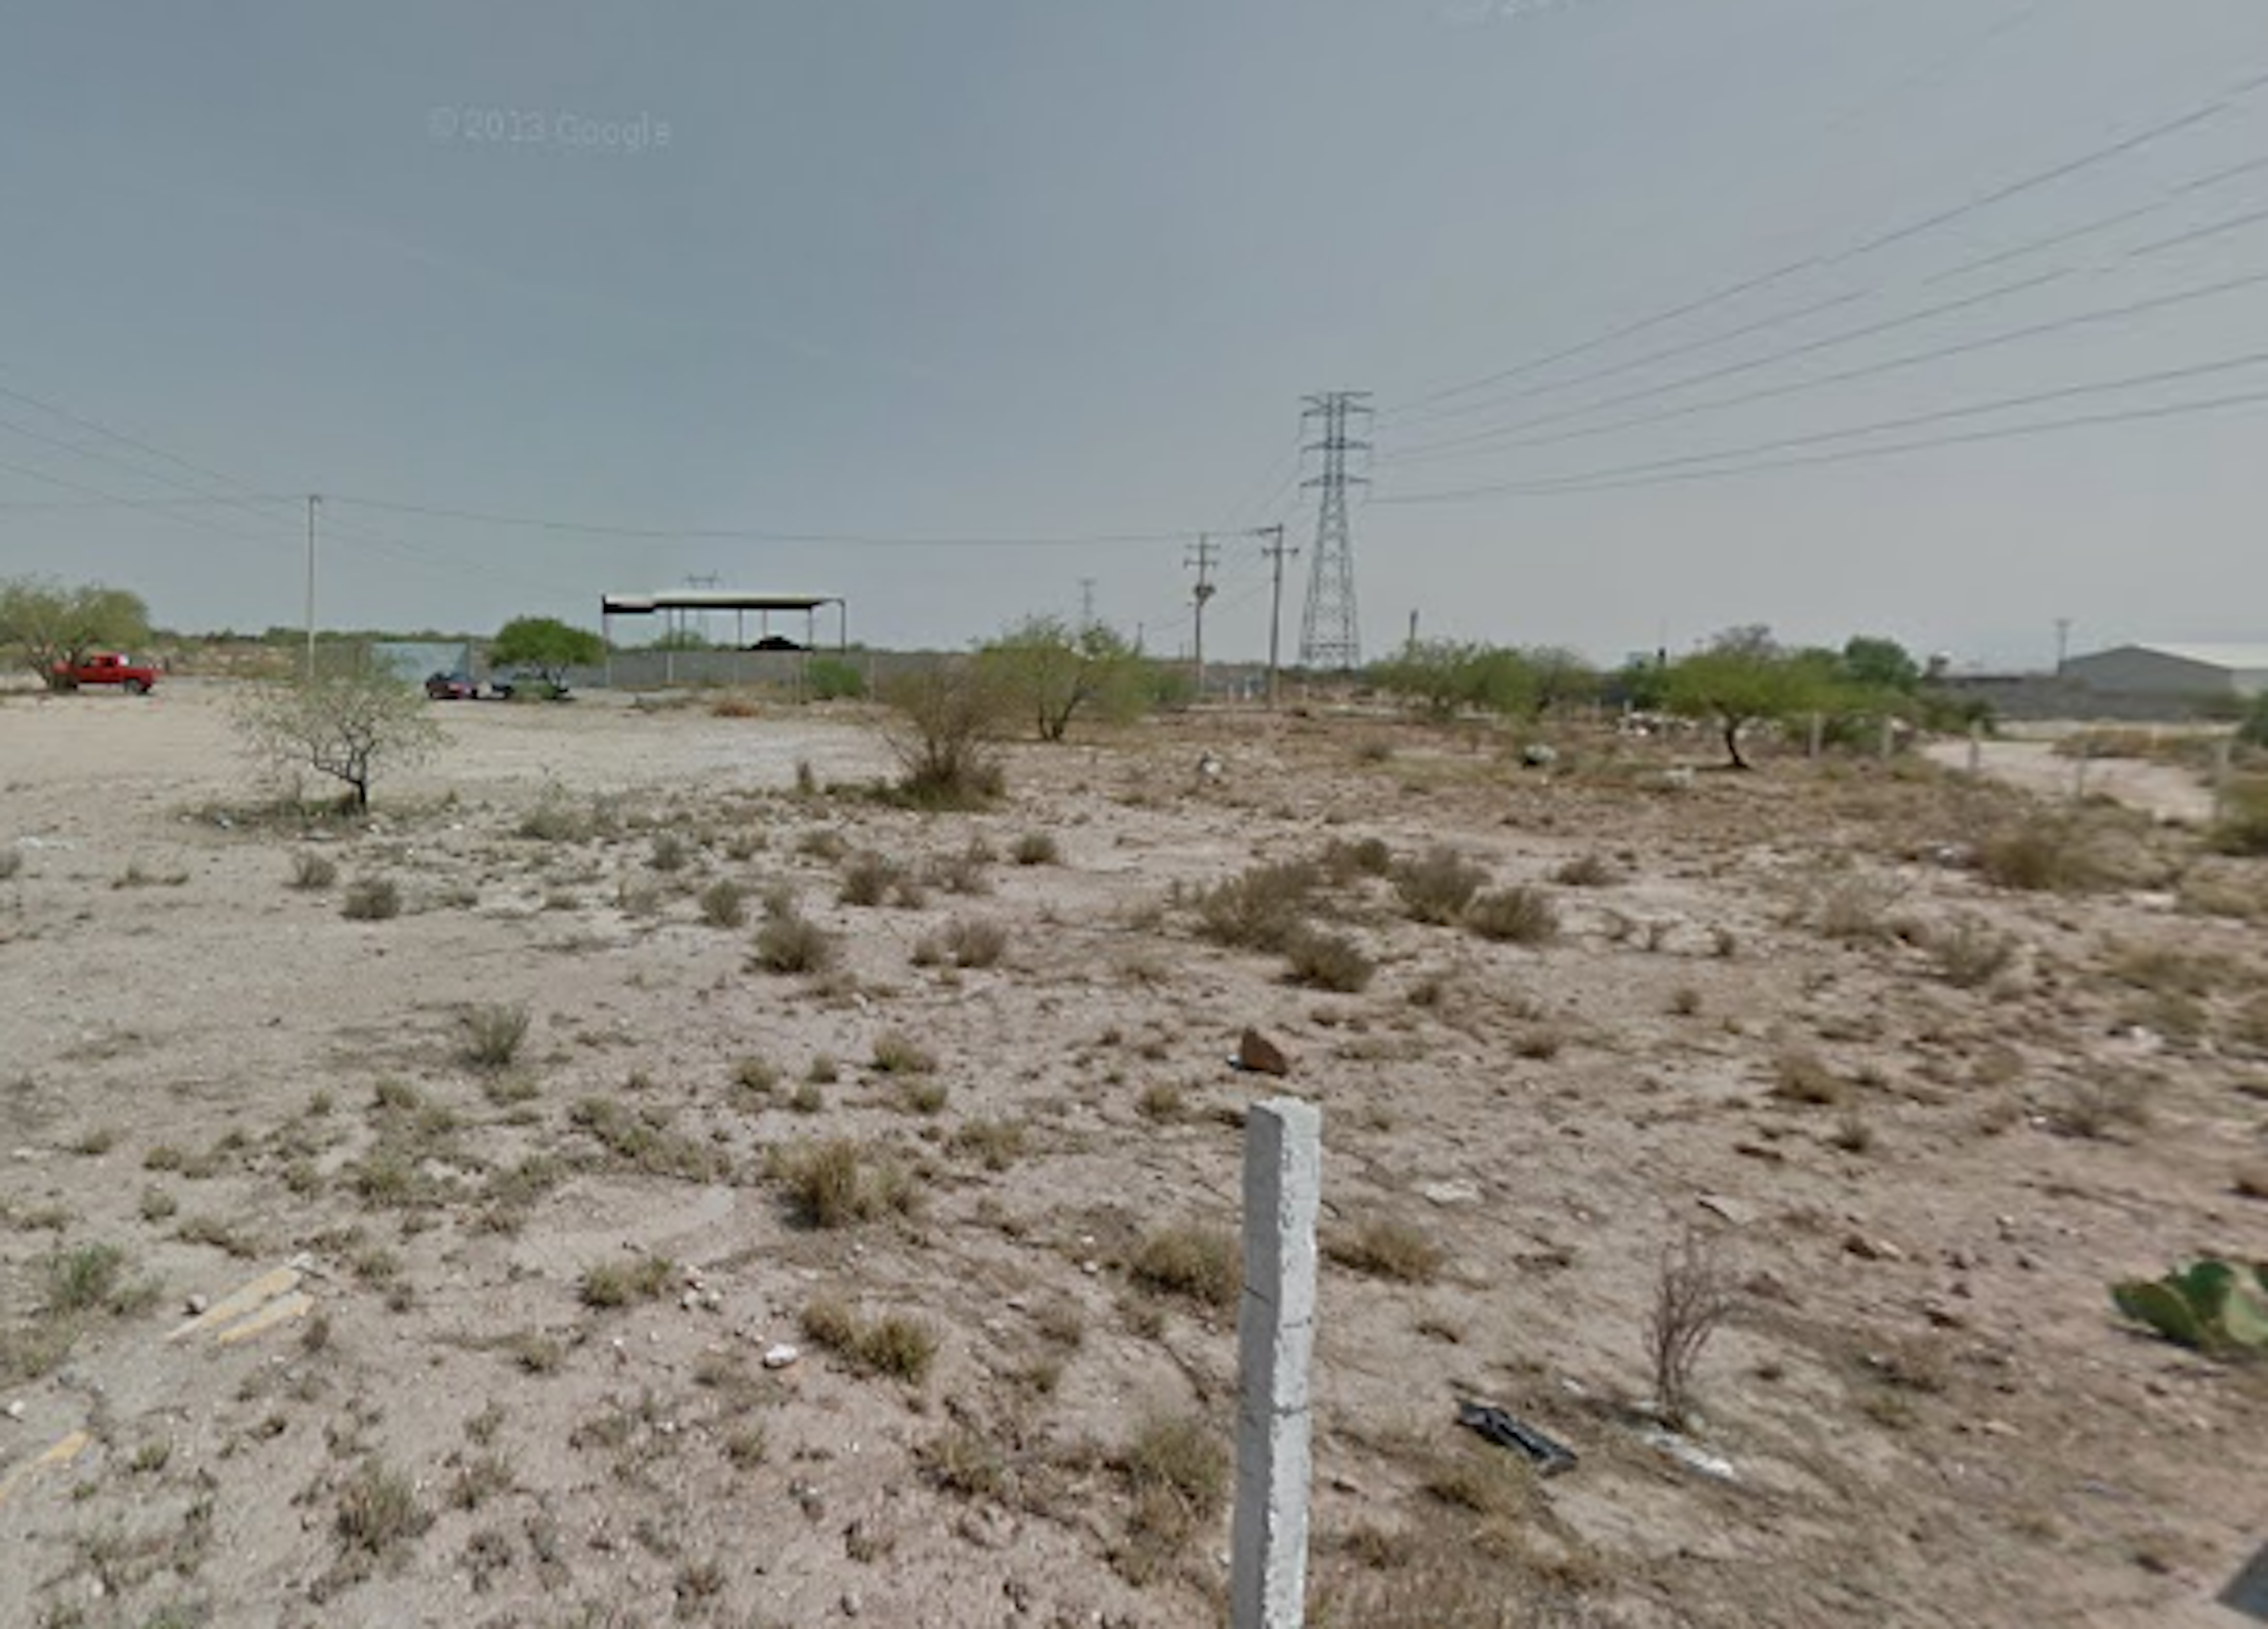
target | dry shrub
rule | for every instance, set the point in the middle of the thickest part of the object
(868, 878)
(2042, 853)
(1854, 909)
(493, 1036)
(2242, 828)
(1176, 1467)
(623, 1282)
(896, 1345)
(1327, 962)
(789, 942)
(1692, 1296)
(2101, 1105)
(371, 899)
(946, 716)
(1587, 871)
(1803, 1077)
(1386, 1247)
(1036, 848)
(1438, 885)
(967, 942)
(379, 1512)
(896, 1052)
(835, 1183)
(1260, 907)
(310, 873)
(1366, 857)
(961, 1462)
(724, 903)
(1517, 915)
(1968, 953)
(1204, 1264)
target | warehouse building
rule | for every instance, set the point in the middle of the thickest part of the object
(2173, 672)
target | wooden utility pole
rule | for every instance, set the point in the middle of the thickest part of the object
(1275, 551)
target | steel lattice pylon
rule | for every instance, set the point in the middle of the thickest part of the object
(1330, 640)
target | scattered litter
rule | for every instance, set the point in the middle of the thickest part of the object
(1458, 1192)
(780, 1356)
(1549, 1457)
(1689, 1454)
(1732, 1210)
(268, 1300)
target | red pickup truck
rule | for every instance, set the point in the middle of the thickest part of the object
(105, 668)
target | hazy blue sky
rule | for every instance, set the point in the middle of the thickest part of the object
(1046, 269)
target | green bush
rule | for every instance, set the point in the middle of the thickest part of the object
(833, 679)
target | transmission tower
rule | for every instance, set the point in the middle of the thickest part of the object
(1329, 641)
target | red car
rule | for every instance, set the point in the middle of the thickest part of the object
(106, 668)
(451, 687)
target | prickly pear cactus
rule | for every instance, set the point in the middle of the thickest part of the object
(2209, 1306)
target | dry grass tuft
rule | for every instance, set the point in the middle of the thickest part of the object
(1260, 907)
(896, 1345)
(1204, 1264)
(1327, 962)
(1518, 916)
(1803, 1077)
(1438, 886)
(1386, 1247)
(835, 1183)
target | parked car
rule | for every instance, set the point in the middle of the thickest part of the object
(106, 668)
(451, 687)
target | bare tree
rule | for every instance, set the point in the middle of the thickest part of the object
(346, 724)
(1691, 1297)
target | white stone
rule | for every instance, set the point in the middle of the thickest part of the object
(780, 1356)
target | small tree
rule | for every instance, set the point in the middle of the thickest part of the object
(549, 645)
(1050, 671)
(346, 724)
(946, 716)
(1878, 664)
(49, 626)
(1743, 678)
(1559, 677)
(2254, 729)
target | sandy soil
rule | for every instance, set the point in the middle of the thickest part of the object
(1929, 1413)
(2162, 791)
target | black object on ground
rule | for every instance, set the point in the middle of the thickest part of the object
(2248, 1591)
(1549, 1457)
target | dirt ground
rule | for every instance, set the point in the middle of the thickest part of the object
(512, 1368)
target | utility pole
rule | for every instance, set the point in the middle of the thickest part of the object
(1086, 603)
(2063, 644)
(1203, 559)
(1329, 638)
(315, 501)
(1275, 552)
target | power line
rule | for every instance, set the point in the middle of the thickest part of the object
(2006, 336)
(1627, 474)
(2061, 171)
(751, 535)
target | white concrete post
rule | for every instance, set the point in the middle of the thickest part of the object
(1275, 1345)
(1818, 736)
(1889, 738)
(1975, 748)
(2220, 754)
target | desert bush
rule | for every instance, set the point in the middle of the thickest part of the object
(2045, 852)
(1692, 1296)
(1438, 885)
(348, 725)
(311, 873)
(835, 1183)
(84, 1278)
(1201, 1263)
(1386, 1247)
(1259, 909)
(896, 1345)
(1970, 953)
(2099, 1105)
(1036, 848)
(621, 1283)
(371, 899)
(833, 679)
(963, 872)
(1517, 915)
(895, 1052)
(668, 852)
(1176, 1466)
(379, 1512)
(724, 903)
(961, 1462)
(966, 942)
(1364, 857)
(998, 1144)
(2243, 828)
(789, 942)
(493, 1036)
(946, 719)
(868, 878)
(1586, 870)
(1803, 1077)
(1327, 962)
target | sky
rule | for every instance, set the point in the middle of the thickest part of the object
(1939, 318)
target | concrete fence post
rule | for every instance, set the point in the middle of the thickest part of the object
(1818, 738)
(2221, 762)
(1975, 748)
(1890, 737)
(1275, 1345)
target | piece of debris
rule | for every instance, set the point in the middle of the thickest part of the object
(2248, 1591)
(1549, 1456)
(1458, 1192)
(1732, 1210)
(1256, 1053)
(1539, 756)
(781, 1355)
(1689, 1454)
